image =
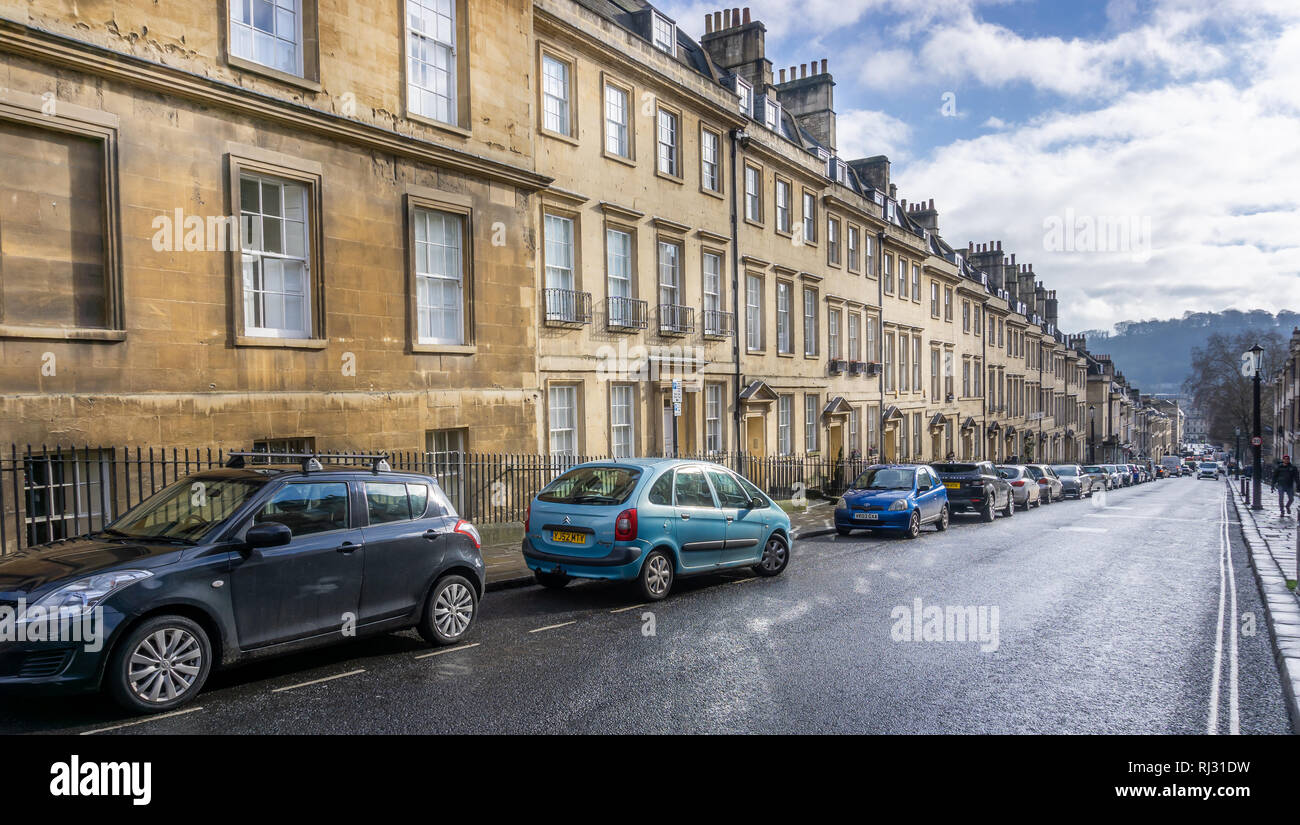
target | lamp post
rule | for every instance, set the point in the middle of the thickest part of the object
(1257, 436)
(1237, 455)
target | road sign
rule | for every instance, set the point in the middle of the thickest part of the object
(677, 397)
(1257, 441)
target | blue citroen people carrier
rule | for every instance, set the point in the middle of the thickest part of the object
(898, 497)
(650, 521)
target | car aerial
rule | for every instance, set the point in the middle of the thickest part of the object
(1075, 482)
(239, 563)
(1024, 488)
(1209, 469)
(1049, 485)
(976, 486)
(898, 497)
(1102, 479)
(650, 521)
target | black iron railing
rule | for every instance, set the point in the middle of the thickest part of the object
(625, 313)
(568, 307)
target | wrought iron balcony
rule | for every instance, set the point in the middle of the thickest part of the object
(675, 319)
(718, 324)
(567, 308)
(625, 314)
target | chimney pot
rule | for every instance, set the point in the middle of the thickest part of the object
(931, 203)
(708, 23)
(717, 21)
(999, 246)
(746, 15)
(782, 75)
(735, 15)
(726, 18)
(823, 65)
(803, 69)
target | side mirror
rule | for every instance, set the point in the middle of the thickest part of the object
(268, 534)
(755, 503)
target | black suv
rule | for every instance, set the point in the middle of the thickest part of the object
(239, 563)
(976, 486)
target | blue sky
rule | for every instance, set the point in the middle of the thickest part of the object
(1174, 121)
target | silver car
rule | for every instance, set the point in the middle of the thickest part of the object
(1102, 479)
(1024, 488)
(1075, 482)
(1050, 487)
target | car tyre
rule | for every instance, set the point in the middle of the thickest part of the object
(988, 514)
(942, 523)
(449, 611)
(551, 581)
(776, 555)
(913, 526)
(1011, 506)
(656, 576)
(185, 656)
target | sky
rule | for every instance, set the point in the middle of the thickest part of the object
(1144, 155)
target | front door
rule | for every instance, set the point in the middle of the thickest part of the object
(310, 586)
(701, 524)
(746, 527)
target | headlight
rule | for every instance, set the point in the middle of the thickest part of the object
(841, 504)
(84, 594)
(900, 504)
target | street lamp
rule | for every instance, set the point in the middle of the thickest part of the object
(1092, 450)
(1257, 437)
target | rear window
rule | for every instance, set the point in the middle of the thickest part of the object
(1035, 472)
(955, 468)
(592, 485)
(1008, 472)
(1065, 471)
(1093, 469)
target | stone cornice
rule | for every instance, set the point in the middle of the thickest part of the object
(70, 53)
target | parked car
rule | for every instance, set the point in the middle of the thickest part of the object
(1049, 485)
(1122, 477)
(650, 521)
(1172, 465)
(976, 486)
(1209, 469)
(1024, 489)
(899, 497)
(1075, 482)
(1135, 473)
(246, 562)
(1102, 478)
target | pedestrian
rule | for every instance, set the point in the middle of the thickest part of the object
(1285, 478)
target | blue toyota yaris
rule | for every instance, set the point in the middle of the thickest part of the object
(651, 520)
(899, 497)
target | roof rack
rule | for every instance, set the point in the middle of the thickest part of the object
(311, 462)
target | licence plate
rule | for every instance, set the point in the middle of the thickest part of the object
(952, 485)
(566, 537)
(867, 516)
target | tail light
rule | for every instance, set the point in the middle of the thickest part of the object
(528, 516)
(625, 525)
(1042, 481)
(1020, 482)
(467, 529)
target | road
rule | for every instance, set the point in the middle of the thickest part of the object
(1112, 617)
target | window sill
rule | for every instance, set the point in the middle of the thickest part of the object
(444, 349)
(280, 343)
(542, 130)
(678, 179)
(442, 126)
(716, 193)
(62, 333)
(254, 67)
(617, 158)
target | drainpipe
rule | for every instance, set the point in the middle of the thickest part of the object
(880, 340)
(735, 134)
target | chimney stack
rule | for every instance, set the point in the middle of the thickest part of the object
(736, 45)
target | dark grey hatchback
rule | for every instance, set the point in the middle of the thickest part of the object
(235, 564)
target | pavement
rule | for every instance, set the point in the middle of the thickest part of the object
(1126, 614)
(504, 561)
(1272, 539)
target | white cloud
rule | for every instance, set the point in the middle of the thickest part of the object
(864, 132)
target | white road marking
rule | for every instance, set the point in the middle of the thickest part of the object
(1153, 518)
(553, 626)
(447, 650)
(318, 681)
(1086, 529)
(141, 721)
(1227, 581)
(742, 581)
(625, 609)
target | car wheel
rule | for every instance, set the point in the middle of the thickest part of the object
(913, 526)
(843, 531)
(161, 665)
(1011, 506)
(942, 523)
(551, 581)
(449, 611)
(776, 555)
(988, 513)
(656, 577)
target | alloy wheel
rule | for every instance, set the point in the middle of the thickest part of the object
(453, 610)
(774, 555)
(164, 665)
(658, 575)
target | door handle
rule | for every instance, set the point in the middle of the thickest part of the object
(730, 519)
(431, 534)
(686, 516)
(348, 547)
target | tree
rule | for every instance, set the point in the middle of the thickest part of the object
(1218, 388)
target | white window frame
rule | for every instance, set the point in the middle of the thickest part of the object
(668, 142)
(429, 280)
(784, 331)
(753, 313)
(440, 42)
(255, 258)
(562, 419)
(618, 132)
(286, 23)
(557, 95)
(622, 420)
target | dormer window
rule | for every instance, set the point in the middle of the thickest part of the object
(746, 94)
(771, 113)
(663, 34)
